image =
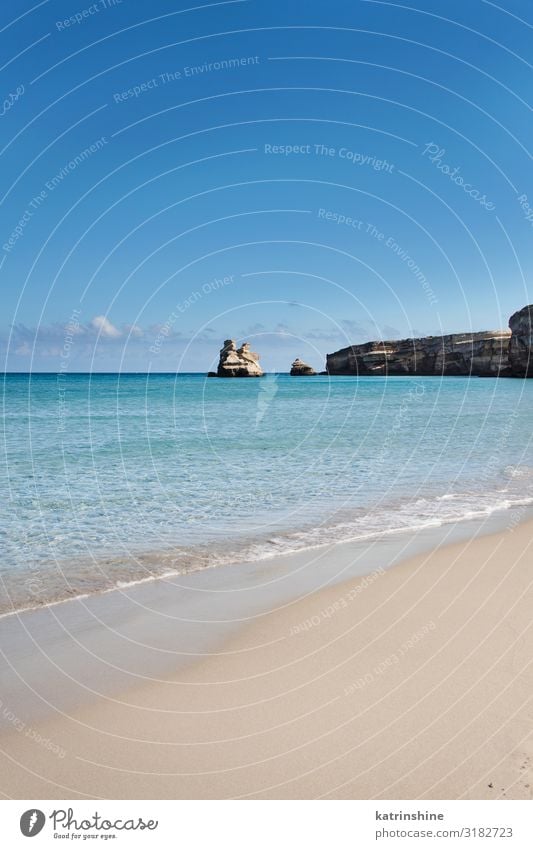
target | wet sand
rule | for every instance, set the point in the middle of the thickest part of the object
(297, 678)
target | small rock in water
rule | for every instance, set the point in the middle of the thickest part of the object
(301, 369)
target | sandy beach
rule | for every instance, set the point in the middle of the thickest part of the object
(412, 682)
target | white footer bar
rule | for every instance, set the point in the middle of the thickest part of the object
(268, 824)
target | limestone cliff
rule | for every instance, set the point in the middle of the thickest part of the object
(485, 354)
(521, 347)
(237, 362)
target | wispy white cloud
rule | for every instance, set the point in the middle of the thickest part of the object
(105, 327)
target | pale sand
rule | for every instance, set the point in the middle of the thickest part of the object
(275, 715)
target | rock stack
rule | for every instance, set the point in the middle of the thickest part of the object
(301, 369)
(237, 362)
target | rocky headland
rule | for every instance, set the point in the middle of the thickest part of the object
(490, 353)
(237, 362)
(486, 353)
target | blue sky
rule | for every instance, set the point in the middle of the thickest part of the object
(299, 175)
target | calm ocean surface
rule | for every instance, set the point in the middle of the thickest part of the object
(124, 477)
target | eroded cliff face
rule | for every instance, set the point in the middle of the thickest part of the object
(521, 347)
(484, 354)
(237, 362)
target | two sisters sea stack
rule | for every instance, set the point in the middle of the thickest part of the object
(237, 362)
(241, 362)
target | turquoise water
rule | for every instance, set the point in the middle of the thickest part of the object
(108, 479)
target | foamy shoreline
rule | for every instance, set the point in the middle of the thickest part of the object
(98, 575)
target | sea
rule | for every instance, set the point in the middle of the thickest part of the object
(112, 479)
